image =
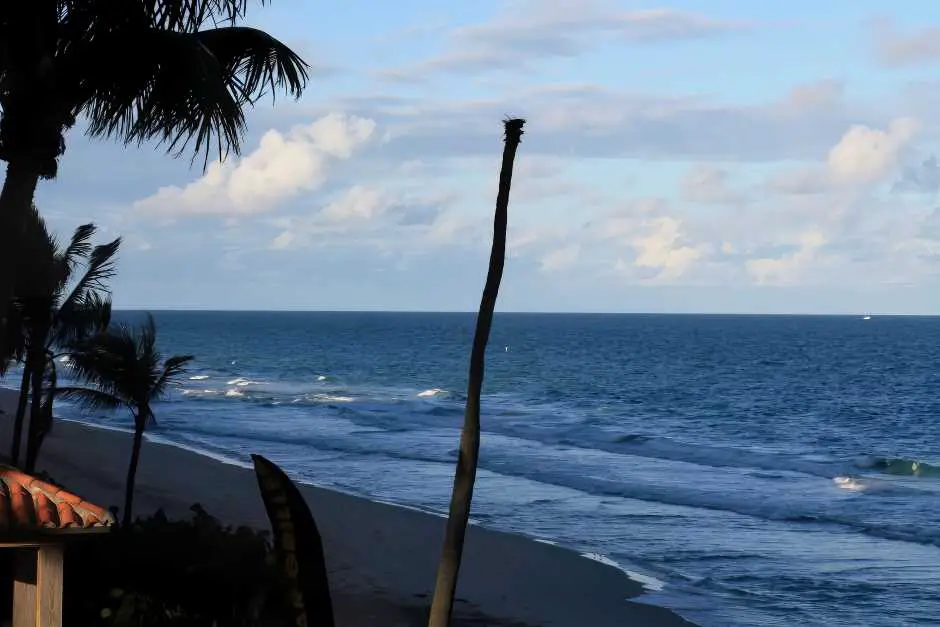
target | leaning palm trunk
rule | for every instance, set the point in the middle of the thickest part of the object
(140, 421)
(16, 198)
(35, 414)
(50, 382)
(21, 405)
(465, 475)
(36, 360)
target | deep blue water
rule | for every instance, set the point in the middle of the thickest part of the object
(767, 470)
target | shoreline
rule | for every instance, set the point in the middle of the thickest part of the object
(382, 557)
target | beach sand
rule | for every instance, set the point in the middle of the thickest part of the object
(382, 559)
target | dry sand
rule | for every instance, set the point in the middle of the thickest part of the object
(382, 559)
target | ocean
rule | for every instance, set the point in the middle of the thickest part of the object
(750, 470)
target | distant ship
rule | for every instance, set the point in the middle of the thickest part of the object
(866, 317)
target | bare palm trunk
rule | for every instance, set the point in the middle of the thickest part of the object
(16, 199)
(139, 422)
(21, 405)
(465, 475)
(48, 397)
(35, 412)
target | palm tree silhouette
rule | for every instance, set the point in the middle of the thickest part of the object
(61, 297)
(186, 74)
(124, 369)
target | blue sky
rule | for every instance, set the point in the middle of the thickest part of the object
(714, 156)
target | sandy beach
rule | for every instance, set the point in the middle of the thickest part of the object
(382, 559)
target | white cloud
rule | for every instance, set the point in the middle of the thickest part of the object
(866, 155)
(359, 203)
(863, 156)
(661, 249)
(534, 30)
(283, 165)
(560, 258)
(899, 49)
(790, 267)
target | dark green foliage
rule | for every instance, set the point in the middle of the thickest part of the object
(193, 573)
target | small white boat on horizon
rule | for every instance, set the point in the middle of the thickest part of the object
(866, 317)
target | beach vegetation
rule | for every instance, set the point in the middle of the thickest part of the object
(121, 368)
(61, 296)
(194, 572)
(189, 71)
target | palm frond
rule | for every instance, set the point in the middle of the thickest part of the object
(183, 88)
(189, 15)
(256, 62)
(79, 247)
(13, 342)
(178, 15)
(173, 368)
(80, 318)
(100, 267)
(107, 361)
(90, 398)
(38, 271)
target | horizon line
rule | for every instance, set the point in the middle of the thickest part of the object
(518, 312)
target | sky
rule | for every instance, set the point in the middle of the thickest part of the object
(720, 157)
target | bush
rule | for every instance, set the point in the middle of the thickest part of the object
(162, 572)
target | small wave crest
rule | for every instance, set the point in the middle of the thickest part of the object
(899, 466)
(431, 393)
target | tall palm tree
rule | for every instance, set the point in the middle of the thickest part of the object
(442, 603)
(57, 302)
(123, 368)
(188, 72)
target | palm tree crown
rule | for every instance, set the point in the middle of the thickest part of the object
(123, 368)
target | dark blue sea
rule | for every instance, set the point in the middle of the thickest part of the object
(750, 470)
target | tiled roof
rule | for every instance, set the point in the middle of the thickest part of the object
(29, 504)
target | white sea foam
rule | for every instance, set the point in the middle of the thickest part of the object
(865, 484)
(430, 393)
(242, 382)
(200, 392)
(648, 583)
(321, 378)
(330, 398)
(199, 377)
(234, 393)
(850, 483)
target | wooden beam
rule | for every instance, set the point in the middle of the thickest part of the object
(49, 577)
(24, 588)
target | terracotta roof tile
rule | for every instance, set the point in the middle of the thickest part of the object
(27, 503)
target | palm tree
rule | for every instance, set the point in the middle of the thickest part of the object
(56, 302)
(124, 369)
(188, 72)
(465, 475)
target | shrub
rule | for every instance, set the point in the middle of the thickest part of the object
(164, 572)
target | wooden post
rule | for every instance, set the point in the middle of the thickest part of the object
(37, 587)
(49, 577)
(24, 587)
